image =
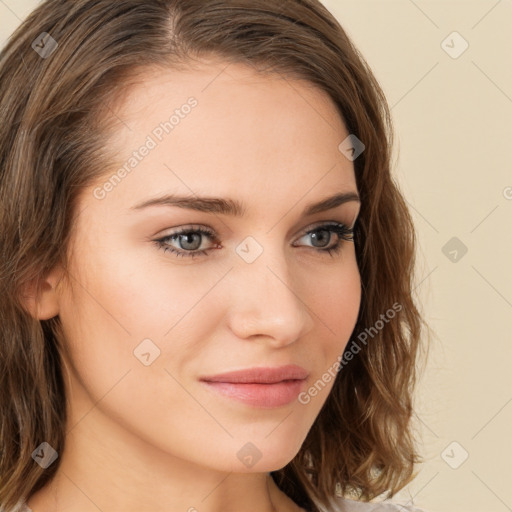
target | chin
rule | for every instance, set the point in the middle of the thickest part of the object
(266, 456)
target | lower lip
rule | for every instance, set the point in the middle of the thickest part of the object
(260, 395)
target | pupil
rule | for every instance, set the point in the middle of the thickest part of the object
(187, 238)
(319, 238)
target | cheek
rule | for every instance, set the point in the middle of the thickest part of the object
(336, 298)
(335, 302)
(115, 305)
(122, 298)
(137, 293)
(343, 307)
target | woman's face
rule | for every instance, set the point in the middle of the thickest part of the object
(145, 325)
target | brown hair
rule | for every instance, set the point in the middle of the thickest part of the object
(51, 147)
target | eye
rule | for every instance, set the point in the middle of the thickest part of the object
(188, 240)
(322, 235)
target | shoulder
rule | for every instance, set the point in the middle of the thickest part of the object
(347, 505)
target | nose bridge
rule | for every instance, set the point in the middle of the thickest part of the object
(265, 302)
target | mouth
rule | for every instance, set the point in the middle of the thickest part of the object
(263, 387)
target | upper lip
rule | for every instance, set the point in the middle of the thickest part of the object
(261, 375)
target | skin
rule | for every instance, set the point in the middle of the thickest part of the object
(152, 438)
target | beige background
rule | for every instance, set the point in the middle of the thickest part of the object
(453, 121)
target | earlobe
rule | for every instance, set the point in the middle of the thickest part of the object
(43, 302)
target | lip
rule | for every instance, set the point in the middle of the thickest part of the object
(265, 387)
(261, 375)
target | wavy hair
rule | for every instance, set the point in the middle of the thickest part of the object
(52, 146)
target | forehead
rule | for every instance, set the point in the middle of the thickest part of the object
(226, 128)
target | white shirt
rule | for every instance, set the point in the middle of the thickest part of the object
(346, 505)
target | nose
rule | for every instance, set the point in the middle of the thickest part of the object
(265, 303)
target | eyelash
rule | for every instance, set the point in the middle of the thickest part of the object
(344, 232)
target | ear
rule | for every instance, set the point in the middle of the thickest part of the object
(43, 302)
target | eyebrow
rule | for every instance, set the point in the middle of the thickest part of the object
(235, 208)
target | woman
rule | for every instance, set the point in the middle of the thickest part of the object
(206, 263)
